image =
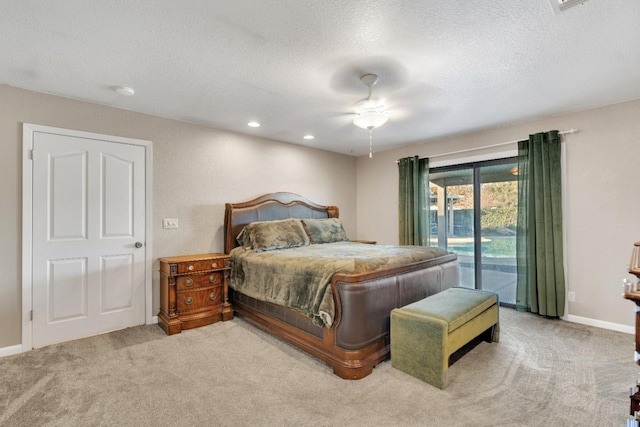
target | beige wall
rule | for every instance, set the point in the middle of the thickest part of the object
(602, 199)
(196, 170)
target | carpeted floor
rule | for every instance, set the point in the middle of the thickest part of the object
(541, 373)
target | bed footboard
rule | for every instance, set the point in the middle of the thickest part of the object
(364, 302)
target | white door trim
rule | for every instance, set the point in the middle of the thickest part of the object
(28, 130)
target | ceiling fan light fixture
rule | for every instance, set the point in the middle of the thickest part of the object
(371, 118)
(371, 112)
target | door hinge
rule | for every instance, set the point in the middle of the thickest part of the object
(32, 154)
(31, 315)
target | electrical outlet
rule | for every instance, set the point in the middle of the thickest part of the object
(170, 223)
(571, 296)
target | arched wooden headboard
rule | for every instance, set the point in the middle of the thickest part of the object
(269, 207)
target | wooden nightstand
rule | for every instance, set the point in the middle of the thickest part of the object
(193, 291)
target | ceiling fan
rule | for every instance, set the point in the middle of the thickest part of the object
(370, 112)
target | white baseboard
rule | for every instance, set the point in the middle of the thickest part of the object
(11, 350)
(599, 324)
(17, 349)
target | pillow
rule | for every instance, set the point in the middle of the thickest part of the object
(325, 230)
(269, 235)
(243, 238)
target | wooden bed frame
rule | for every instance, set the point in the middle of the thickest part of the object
(358, 339)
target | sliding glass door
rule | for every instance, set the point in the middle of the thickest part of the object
(473, 210)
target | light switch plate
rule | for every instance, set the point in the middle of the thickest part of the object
(169, 222)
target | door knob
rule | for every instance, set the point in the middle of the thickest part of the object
(138, 244)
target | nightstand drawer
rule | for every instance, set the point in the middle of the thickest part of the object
(204, 265)
(194, 281)
(196, 299)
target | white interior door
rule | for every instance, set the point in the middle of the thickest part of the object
(88, 236)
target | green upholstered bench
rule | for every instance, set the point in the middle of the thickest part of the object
(425, 333)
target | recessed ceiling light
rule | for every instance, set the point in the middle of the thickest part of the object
(124, 91)
(308, 137)
(253, 124)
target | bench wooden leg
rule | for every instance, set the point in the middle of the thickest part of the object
(487, 335)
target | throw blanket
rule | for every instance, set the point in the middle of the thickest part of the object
(300, 278)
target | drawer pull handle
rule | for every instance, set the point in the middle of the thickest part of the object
(188, 301)
(214, 265)
(188, 282)
(190, 268)
(212, 278)
(212, 296)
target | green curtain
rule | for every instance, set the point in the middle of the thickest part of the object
(413, 201)
(540, 285)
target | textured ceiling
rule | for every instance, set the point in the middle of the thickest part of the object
(445, 67)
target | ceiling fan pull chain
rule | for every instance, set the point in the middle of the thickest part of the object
(370, 143)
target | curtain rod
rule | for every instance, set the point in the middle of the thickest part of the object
(563, 132)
